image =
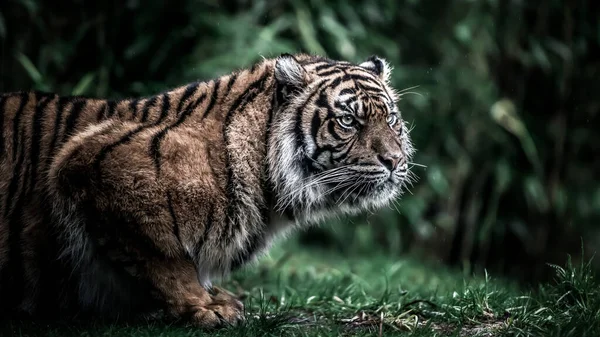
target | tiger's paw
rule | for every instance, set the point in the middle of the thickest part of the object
(219, 314)
(222, 295)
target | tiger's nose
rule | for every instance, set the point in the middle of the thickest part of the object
(389, 160)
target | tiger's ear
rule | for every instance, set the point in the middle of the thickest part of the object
(378, 66)
(290, 73)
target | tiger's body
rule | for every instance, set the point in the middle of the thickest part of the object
(120, 208)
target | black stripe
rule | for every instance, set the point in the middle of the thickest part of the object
(12, 276)
(353, 142)
(147, 105)
(341, 155)
(246, 97)
(176, 228)
(375, 94)
(25, 182)
(16, 122)
(315, 124)
(231, 82)
(321, 102)
(337, 81)
(333, 67)
(189, 90)
(72, 119)
(14, 181)
(320, 60)
(300, 141)
(308, 164)
(379, 106)
(133, 107)
(2, 113)
(164, 110)
(280, 97)
(112, 108)
(351, 100)
(155, 142)
(346, 105)
(214, 95)
(363, 78)
(331, 129)
(101, 114)
(127, 137)
(62, 103)
(325, 66)
(36, 136)
(110, 147)
(329, 73)
(371, 89)
(346, 91)
(266, 185)
(327, 148)
(390, 101)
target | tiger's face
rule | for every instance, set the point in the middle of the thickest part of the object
(347, 141)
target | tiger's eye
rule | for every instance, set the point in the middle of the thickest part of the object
(392, 119)
(346, 121)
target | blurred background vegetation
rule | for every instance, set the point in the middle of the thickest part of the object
(505, 119)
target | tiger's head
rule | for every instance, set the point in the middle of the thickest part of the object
(338, 141)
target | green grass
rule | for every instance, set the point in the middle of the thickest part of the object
(302, 292)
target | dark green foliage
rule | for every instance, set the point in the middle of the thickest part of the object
(505, 114)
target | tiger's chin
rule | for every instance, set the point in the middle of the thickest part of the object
(368, 196)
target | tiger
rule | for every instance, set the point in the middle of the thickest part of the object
(131, 207)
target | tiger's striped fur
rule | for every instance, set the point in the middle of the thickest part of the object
(119, 208)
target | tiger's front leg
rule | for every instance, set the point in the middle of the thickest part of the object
(120, 226)
(178, 286)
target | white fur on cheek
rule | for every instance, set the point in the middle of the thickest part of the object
(285, 160)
